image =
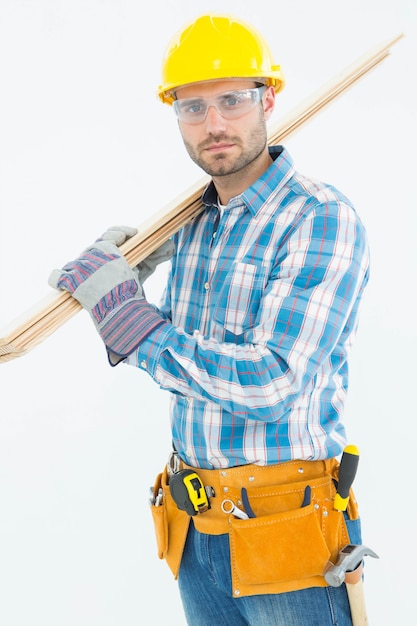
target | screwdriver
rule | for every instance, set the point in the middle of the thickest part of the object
(347, 472)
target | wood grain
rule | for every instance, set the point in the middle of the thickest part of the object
(58, 307)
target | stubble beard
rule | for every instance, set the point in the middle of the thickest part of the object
(222, 164)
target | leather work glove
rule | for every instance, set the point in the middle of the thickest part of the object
(120, 234)
(104, 284)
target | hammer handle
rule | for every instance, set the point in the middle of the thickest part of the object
(357, 604)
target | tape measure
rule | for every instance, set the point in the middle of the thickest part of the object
(188, 492)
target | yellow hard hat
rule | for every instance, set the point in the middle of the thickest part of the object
(214, 47)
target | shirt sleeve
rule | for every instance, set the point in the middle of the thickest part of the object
(304, 324)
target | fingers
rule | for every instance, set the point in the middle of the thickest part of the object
(163, 253)
(147, 267)
(54, 278)
(118, 234)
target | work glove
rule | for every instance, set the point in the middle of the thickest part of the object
(120, 234)
(104, 284)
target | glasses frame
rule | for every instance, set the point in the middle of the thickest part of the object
(215, 102)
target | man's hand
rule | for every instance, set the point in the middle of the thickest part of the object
(104, 284)
(120, 234)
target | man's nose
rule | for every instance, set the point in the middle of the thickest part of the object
(215, 121)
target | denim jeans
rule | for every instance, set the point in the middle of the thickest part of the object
(206, 592)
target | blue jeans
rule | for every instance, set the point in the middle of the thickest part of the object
(206, 592)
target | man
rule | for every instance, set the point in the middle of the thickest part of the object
(251, 340)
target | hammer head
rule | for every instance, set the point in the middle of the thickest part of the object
(350, 557)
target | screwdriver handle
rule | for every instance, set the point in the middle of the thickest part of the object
(347, 472)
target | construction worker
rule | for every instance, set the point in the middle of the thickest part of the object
(251, 340)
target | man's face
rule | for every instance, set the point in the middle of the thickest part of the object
(222, 146)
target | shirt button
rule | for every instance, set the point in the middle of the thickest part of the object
(206, 286)
(143, 365)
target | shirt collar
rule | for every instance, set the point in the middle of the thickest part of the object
(271, 181)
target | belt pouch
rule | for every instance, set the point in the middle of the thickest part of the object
(286, 547)
(171, 526)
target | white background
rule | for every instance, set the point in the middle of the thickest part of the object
(85, 144)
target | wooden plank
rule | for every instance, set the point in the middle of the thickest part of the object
(56, 309)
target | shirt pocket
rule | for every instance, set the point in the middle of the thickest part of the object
(238, 299)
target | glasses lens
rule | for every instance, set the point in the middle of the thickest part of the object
(230, 104)
(191, 110)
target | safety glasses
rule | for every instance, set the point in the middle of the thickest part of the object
(230, 104)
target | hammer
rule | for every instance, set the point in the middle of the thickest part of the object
(350, 562)
(350, 557)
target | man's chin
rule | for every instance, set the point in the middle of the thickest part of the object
(219, 166)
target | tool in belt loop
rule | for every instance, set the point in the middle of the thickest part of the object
(174, 463)
(230, 508)
(187, 489)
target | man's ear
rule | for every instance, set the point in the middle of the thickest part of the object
(268, 102)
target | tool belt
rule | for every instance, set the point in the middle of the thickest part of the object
(288, 538)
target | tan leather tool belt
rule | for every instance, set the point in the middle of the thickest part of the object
(291, 533)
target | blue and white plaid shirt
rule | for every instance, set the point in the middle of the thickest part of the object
(262, 309)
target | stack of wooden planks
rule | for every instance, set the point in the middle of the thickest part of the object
(58, 307)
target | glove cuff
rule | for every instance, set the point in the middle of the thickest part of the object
(128, 326)
(115, 298)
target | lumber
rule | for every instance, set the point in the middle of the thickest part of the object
(43, 319)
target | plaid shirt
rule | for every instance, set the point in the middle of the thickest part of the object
(262, 308)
